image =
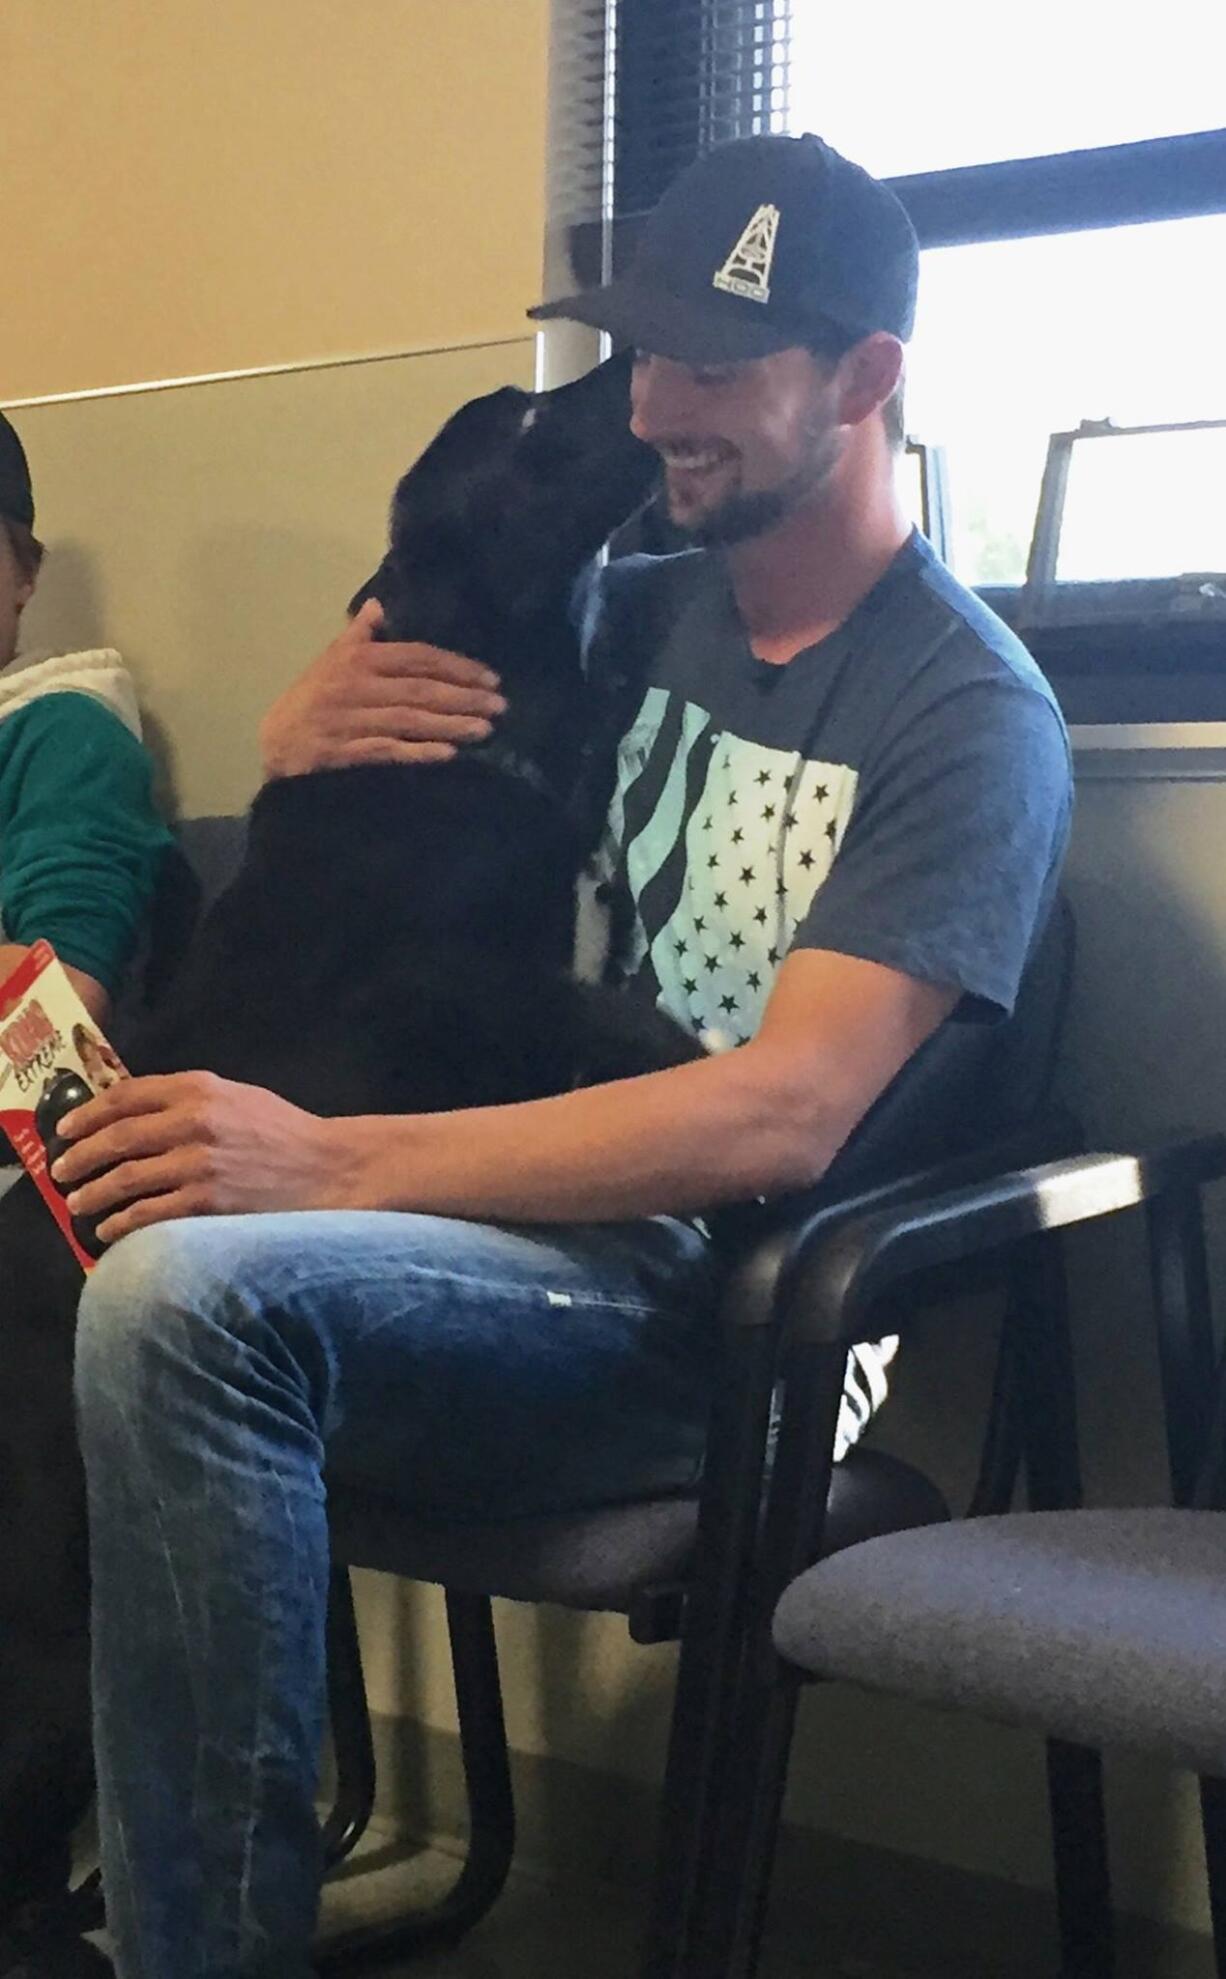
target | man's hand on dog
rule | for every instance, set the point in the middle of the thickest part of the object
(368, 700)
(191, 1144)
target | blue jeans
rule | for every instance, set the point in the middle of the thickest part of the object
(221, 1364)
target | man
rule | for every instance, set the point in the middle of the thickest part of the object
(839, 816)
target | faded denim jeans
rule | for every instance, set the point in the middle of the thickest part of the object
(475, 1371)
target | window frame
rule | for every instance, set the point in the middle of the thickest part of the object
(1164, 178)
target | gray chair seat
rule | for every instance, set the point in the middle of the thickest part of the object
(601, 1558)
(1102, 1627)
(580, 1560)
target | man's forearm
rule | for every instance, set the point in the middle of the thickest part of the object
(670, 1141)
(766, 1117)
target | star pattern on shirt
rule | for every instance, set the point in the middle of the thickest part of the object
(784, 817)
(750, 832)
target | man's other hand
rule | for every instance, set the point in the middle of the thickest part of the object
(367, 700)
(191, 1144)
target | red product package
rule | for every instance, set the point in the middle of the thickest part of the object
(52, 1057)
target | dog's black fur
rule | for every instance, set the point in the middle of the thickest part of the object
(398, 939)
(401, 938)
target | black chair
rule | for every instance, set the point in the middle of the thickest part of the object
(1094, 1627)
(973, 1102)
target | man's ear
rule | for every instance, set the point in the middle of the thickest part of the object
(868, 374)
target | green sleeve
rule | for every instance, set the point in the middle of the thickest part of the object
(81, 842)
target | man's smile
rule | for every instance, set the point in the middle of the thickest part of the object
(696, 460)
(697, 475)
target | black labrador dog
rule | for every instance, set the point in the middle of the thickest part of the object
(398, 939)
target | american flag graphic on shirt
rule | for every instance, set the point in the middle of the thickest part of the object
(721, 844)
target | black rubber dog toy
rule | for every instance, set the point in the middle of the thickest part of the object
(63, 1091)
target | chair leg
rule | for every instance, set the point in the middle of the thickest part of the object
(734, 1939)
(712, 1648)
(1213, 1816)
(731, 1903)
(689, 1803)
(1079, 1842)
(731, 1906)
(487, 1774)
(351, 1739)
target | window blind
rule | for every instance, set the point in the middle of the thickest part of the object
(638, 89)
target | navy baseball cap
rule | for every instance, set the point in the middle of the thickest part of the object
(758, 245)
(16, 493)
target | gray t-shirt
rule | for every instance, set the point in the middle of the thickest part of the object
(899, 792)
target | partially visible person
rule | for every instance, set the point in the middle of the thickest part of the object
(81, 849)
(81, 842)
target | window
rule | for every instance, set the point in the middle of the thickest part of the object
(1142, 504)
(639, 88)
(1018, 339)
(1032, 318)
(920, 89)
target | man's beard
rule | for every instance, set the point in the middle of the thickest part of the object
(740, 517)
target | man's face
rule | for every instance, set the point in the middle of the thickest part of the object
(15, 593)
(743, 445)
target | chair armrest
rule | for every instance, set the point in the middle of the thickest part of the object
(762, 1277)
(836, 1276)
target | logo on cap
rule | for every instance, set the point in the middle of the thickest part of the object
(747, 271)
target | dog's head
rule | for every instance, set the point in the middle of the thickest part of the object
(494, 522)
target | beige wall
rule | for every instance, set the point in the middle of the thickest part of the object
(215, 532)
(194, 186)
(207, 186)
